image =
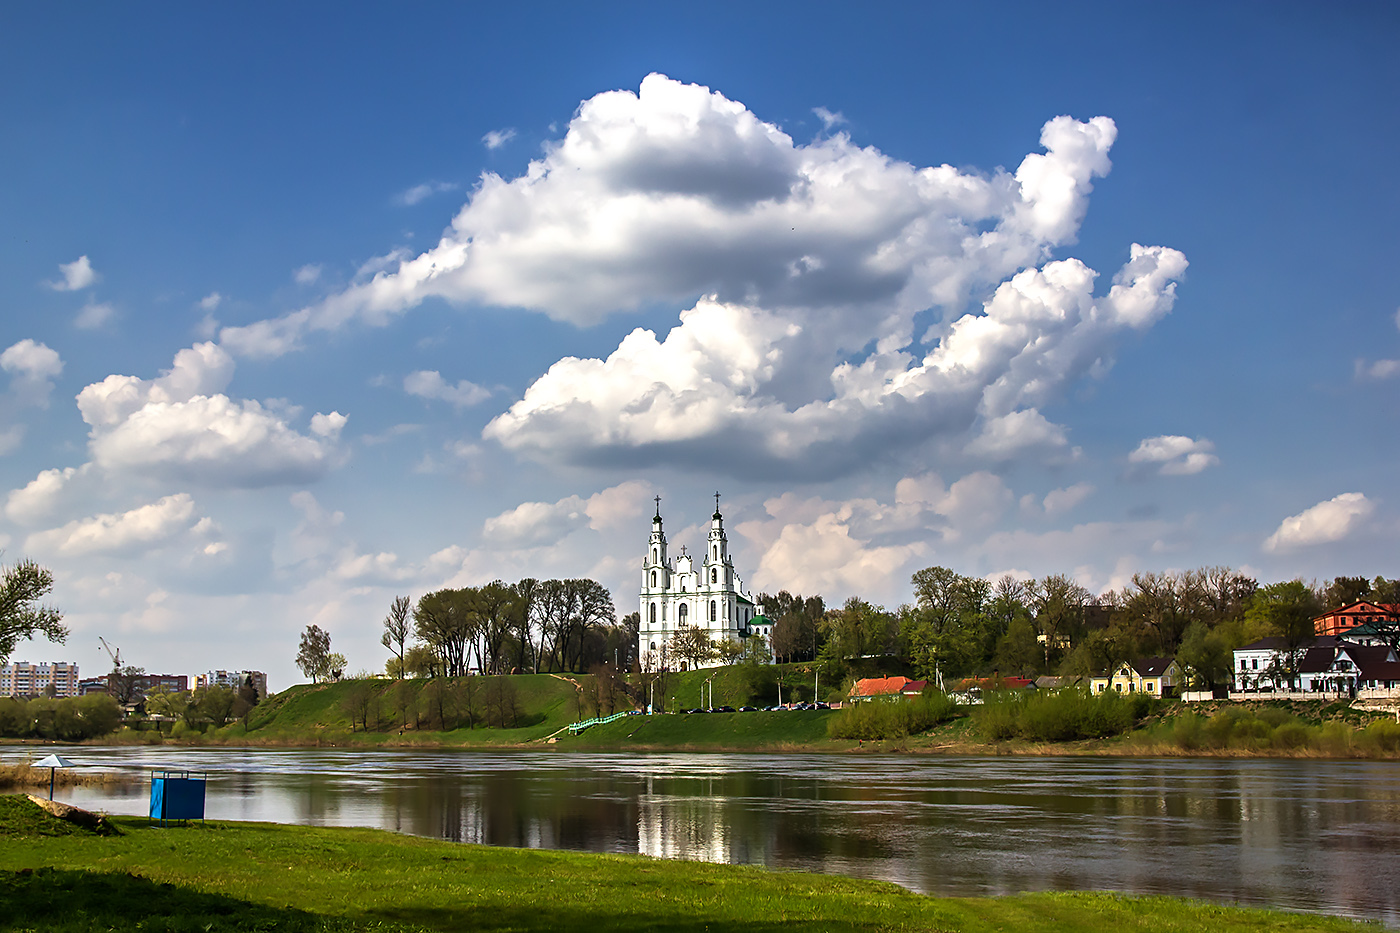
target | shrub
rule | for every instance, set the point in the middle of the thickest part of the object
(877, 719)
(1380, 736)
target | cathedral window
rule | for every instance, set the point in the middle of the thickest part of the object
(653, 613)
(714, 575)
(681, 614)
(712, 610)
(653, 555)
(653, 578)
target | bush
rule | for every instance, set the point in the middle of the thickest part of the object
(878, 719)
(1054, 715)
(998, 717)
(1380, 736)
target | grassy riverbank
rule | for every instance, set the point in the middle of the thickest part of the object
(250, 876)
(387, 714)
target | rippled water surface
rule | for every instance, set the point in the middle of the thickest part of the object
(1309, 835)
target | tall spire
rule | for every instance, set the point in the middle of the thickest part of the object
(717, 515)
(658, 508)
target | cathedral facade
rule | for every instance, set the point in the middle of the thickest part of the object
(689, 591)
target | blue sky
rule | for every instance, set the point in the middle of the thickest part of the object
(306, 308)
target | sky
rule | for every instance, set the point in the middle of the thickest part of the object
(305, 307)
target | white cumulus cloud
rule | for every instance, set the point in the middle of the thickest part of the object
(1059, 501)
(41, 495)
(125, 533)
(1324, 523)
(183, 427)
(532, 524)
(93, 315)
(429, 384)
(32, 367)
(77, 275)
(1174, 455)
(495, 139)
(806, 256)
(424, 191)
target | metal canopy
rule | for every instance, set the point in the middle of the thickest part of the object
(54, 761)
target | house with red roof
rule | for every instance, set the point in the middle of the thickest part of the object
(1342, 620)
(878, 688)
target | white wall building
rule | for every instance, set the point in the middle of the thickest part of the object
(692, 592)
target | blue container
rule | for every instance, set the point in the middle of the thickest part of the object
(177, 795)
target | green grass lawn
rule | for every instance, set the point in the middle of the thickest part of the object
(251, 876)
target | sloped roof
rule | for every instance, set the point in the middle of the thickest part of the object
(1152, 667)
(914, 686)
(1318, 660)
(878, 686)
(1368, 656)
(1385, 670)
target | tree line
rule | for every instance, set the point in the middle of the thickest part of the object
(529, 626)
(959, 626)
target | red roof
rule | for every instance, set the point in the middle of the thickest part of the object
(879, 686)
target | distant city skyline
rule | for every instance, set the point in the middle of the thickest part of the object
(310, 307)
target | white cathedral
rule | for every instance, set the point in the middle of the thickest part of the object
(685, 593)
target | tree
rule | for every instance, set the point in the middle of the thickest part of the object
(447, 622)
(396, 628)
(335, 665)
(1206, 655)
(314, 654)
(1343, 591)
(692, 645)
(1059, 610)
(216, 704)
(359, 701)
(127, 684)
(1018, 653)
(21, 588)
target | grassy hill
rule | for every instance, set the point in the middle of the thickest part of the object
(322, 714)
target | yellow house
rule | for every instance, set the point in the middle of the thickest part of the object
(1153, 676)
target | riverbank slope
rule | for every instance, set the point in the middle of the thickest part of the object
(220, 876)
(535, 710)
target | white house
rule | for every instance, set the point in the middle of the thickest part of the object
(1327, 665)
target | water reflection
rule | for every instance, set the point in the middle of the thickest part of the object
(1301, 834)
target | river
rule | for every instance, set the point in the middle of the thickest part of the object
(1298, 834)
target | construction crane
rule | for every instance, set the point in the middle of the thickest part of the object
(114, 653)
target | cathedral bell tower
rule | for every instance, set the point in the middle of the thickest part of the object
(654, 567)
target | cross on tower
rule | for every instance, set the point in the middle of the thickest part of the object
(716, 502)
(658, 506)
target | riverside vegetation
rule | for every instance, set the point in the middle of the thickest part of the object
(222, 877)
(520, 710)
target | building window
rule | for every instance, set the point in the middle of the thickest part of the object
(653, 578)
(653, 613)
(681, 614)
(716, 550)
(714, 575)
(712, 610)
(653, 555)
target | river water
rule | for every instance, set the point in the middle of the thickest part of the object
(1305, 835)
